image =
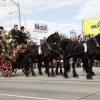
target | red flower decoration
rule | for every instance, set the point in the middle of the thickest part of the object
(0, 41)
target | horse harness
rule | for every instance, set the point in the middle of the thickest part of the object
(95, 41)
(49, 48)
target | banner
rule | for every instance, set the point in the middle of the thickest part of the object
(91, 26)
(40, 27)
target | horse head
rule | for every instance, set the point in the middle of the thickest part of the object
(94, 41)
(98, 38)
(53, 39)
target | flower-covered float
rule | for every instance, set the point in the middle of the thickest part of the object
(9, 51)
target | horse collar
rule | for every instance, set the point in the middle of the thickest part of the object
(97, 44)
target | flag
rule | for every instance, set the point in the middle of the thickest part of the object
(73, 33)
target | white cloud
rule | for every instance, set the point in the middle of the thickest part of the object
(54, 4)
(89, 10)
(49, 4)
(34, 6)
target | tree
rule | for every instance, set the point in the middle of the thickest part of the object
(63, 36)
(44, 38)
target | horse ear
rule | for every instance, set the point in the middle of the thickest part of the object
(57, 32)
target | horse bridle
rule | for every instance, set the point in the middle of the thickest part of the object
(49, 48)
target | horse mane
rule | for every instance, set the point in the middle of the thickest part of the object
(66, 40)
(98, 37)
(64, 43)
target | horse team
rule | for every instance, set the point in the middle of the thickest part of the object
(55, 48)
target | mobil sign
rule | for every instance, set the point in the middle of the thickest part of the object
(40, 27)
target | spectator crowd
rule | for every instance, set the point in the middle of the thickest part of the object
(80, 38)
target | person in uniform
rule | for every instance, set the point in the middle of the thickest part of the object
(1, 30)
(16, 33)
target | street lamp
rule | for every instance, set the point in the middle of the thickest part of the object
(10, 21)
(18, 11)
(22, 15)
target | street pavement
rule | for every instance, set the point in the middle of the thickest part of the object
(19, 87)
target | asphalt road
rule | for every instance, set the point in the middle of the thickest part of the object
(18, 87)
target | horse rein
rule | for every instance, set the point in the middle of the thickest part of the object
(49, 48)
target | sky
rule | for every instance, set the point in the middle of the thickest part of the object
(60, 15)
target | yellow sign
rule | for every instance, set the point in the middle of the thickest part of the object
(92, 26)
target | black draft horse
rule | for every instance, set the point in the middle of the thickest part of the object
(30, 57)
(49, 52)
(76, 50)
(57, 56)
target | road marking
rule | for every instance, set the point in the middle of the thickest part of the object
(58, 80)
(27, 97)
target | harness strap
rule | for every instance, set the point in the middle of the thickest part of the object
(48, 46)
(97, 44)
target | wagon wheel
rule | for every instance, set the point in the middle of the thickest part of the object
(6, 68)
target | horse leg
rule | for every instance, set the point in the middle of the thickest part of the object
(61, 72)
(87, 68)
(40, 68)
(15, 70)
(48, 72)
(59, 65)
(52, 70)
(74, 70)
(32, 69)
(56, 71)
(91, 65)
(45, 67)
(66, 67)
(92, 73)
(12, 69)
(25, 67)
